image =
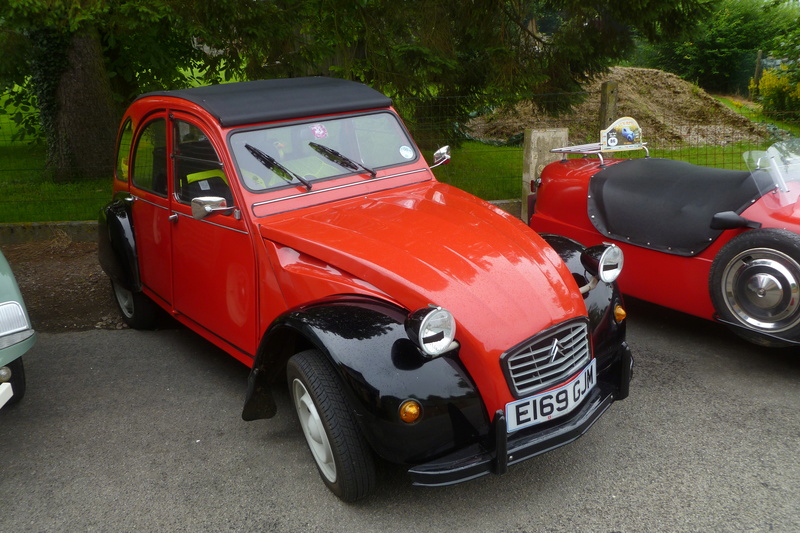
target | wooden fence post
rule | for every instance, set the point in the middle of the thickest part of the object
(538, 144)
(608, 104)
(756, 77)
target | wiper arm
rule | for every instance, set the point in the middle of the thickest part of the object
(341, 159)
(270, 162)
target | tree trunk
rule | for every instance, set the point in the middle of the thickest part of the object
(86, 120)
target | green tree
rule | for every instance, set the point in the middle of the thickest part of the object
(80, 61)
(423, 51)
(779, 88)
(720, 54)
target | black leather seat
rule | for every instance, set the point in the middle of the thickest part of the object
(668, 205)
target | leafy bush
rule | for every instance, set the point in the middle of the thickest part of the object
(778, 91)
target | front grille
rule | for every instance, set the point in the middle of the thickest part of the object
(547, 359)
(12, 318)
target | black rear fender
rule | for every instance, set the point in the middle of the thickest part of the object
(116, 243)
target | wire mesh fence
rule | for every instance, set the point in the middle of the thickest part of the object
(486, 136)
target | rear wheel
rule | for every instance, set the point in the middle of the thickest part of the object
(138, 311)
(755, 282)
(342, 456)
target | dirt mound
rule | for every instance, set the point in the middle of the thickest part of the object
(669, 110)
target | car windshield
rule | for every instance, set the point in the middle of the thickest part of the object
(780, 162)
(302, 153)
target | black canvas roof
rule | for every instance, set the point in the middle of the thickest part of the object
(247, 102)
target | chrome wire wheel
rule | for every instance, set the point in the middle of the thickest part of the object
(761, 287)
(314, 430)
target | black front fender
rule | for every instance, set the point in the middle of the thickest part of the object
(116, 244)
(607, 334)
(380, 367)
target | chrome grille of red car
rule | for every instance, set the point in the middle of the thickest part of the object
(548, 358)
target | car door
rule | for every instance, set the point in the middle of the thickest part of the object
(151, 207)
(214, 266)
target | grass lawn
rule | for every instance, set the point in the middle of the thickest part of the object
(728, 156)
(489, 172)
(754, 112)
(27, 195)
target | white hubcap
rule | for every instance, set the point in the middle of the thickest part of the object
(314, 430)
(125, 300)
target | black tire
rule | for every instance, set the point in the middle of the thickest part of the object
(755, 282)
(138, 311)
(343, 458)
(17, 381)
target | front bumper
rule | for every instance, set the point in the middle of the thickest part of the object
(478, 460)
(15, 345)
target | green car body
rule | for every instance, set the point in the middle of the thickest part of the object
(16, 336)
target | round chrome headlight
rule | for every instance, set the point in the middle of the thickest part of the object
(611, 263)
(603, 261)
(432, 329)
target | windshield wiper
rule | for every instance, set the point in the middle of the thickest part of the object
(270, 162)
(341, 159)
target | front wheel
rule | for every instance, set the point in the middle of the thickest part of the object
(342, 456)
(138, 311)
(755, 282)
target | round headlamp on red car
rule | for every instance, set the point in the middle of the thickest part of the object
(433, 330)
(603, 261)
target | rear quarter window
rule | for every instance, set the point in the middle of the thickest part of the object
(124, 151)
(150, 158)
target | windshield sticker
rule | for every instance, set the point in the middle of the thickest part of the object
(406, 152)
(320, 131)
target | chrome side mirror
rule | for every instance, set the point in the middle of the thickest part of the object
(441, 156)
(204, 206)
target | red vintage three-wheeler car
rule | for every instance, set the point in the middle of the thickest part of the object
(718, 244)
(294, 224)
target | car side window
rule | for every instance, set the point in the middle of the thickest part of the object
(198, 170)
(124, 151)
(150, 158)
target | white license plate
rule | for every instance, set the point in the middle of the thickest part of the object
(553, 403)
(5, 393)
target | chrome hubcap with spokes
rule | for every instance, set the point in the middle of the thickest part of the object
(762, 289)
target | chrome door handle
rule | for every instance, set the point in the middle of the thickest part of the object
(173, 218)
